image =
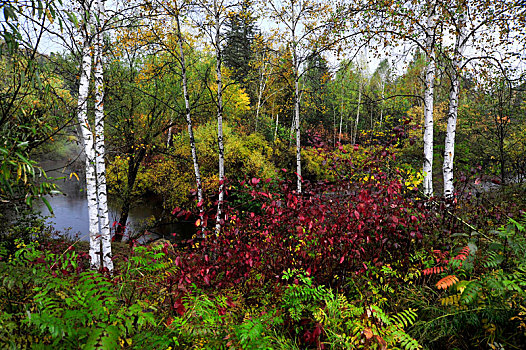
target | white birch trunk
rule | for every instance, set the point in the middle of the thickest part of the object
(219, 121)
(449, 151)
(292, 128)
(341, 115)
(102, 198)
(296, 67)
(262, 86)
(298, 131)
(357, 114)
(276, 128)
(428, 104)
(189, 122)
(382, 106)
(89, 150)
(170, 131)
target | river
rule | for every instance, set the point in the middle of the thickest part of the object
(70, 209)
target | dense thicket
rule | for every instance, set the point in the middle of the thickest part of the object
(354, 172)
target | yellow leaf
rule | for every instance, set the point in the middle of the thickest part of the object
(74, 174)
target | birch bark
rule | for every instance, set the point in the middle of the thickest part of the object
(89, 150)
(297, 126)
(262, 85)
(276, 128)
(357, 112)
(449, 151)
(219, 118)
(102, 198)
(341, 113)
(189, 120)
(428, 100)
(296, 67)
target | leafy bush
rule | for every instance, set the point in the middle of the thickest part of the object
(483, 291)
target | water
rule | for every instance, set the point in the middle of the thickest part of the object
(71, 211)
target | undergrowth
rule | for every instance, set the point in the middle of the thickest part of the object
(354, 263)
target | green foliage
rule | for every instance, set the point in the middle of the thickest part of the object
(254, 333)
(301, 297)
(64, 312)
(22, 224)
(347, 325)
(17, 278)
(246, 156)
(32, 99)
(485, 289)
(86, 313)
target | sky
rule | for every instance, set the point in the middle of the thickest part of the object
(398, 56)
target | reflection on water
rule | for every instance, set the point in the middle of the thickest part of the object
(71, 213)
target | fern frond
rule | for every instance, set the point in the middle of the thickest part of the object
(495, 284)
(463, 254)
(493, 260)
(380, 315)
(103, 338)
(434, 270)
(450, 300)
(404, 319)
(406, 341)
(447, 282)
(470, 293)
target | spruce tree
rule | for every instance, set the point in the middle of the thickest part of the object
(237, 51)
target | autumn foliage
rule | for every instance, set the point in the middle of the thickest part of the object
(329, 231)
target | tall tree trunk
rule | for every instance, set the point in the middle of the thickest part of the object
(102, 198)
(219, 121)
(195, 160)
(296, 119)
(357, 114)
(428, 102)
(341, 115)
(276, 128)
(262, 86)
(89, 150)
(134, 163)
(170, 131)
(292, 123)
(449, 151)
(298, 132)
(382, 106)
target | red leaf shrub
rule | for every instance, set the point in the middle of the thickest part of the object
(331, 229)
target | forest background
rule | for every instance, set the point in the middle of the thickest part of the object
(334, 204)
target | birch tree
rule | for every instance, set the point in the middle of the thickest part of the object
(212, 17)
(89, 142)
(104, 223)
(456, 66)
(360, 86)
(303, 26)
(430, 38)
(487, 25)
(189, 115)
(412, 26)
(93, 137)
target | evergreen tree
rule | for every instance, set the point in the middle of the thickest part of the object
(237, 51)
(317, 97)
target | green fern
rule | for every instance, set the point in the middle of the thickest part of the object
(404, 319)
(103, 337)
(471, 293)
(406, 342)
